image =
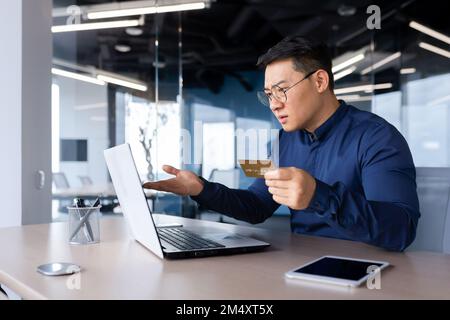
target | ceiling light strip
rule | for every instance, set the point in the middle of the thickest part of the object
(96, 26)
(381, 62)
(354, 97)
(367, 87)
(77, 76)
(434, 49)
(344, 73)
(348, 62)
(407, 70)
(429, 31)
(123, 83)
(145, 10)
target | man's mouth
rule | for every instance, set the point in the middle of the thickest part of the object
(282, 119)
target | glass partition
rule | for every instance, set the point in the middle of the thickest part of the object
(180, 87)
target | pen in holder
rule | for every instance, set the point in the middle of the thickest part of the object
(84, 226)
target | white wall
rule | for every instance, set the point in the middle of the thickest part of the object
(83, 115)
(11, 113)
(25, 110)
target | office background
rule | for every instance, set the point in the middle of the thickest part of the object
(68, 95)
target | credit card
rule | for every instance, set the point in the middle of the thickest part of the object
(256, 168)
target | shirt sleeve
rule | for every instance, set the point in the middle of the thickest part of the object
(253, 205)
(387, 213)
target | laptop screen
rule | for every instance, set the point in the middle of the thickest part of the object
(131, 197)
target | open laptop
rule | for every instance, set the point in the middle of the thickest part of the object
(170, 242)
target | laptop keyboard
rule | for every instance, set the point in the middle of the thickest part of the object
(185, 240)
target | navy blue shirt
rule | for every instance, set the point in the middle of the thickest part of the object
(366, 189)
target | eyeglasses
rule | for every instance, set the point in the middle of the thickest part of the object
(278, 93)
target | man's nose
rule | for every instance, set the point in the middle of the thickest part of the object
(275, 105)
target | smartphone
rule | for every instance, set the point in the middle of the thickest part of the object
(337, 270)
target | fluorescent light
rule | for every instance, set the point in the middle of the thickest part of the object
(100, 105)
(100, 77)
(348, 62)
(434, 49)
(354, 97)
(181, 7)
(367, 87)
(135, 32)
(95, 26)
(120, 82)
(366, 98)
(77, 76)
(407, 70)
(348, 96)
(344, 73)
(145, 10)
(123, 48)
(382, 62)
(430, 32)
(121, 13)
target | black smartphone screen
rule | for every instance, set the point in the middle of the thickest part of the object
(339, 268)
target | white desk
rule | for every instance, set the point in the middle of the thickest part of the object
(119, 268)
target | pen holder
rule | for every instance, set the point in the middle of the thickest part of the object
(84, 225)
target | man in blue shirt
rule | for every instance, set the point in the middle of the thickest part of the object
(343, 172)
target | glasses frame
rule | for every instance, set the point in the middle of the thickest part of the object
(262, 95)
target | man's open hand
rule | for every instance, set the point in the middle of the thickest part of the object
(291, 187)
(185, 183)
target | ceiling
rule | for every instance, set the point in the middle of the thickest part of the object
(229, 36)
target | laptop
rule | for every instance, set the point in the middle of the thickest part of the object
(165, 241)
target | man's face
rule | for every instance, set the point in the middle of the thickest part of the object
(300, 107)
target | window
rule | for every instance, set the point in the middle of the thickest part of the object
(153, 132)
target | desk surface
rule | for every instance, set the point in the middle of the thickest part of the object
(120, 268)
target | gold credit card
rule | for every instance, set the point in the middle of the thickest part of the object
(256, 168)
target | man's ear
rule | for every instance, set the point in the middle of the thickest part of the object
(322, 81)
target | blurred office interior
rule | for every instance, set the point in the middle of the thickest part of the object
(149, 74)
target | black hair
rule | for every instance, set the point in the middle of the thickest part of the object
(308, 55)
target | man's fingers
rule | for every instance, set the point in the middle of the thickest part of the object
(170, 169)
(282, 184)
(164, 185)
(279, 192)
(153, 185)
(280, 200)
(170, 185)
(278, 174)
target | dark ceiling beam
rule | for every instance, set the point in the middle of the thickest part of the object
(239, 22)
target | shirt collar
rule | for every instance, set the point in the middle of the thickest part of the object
(331, 122)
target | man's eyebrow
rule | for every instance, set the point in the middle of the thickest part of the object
(276, 84)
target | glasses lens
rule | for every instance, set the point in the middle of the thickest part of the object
(263, 98)
(279, 94)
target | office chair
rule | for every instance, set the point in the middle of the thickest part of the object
(60, 180)
(433, 231)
